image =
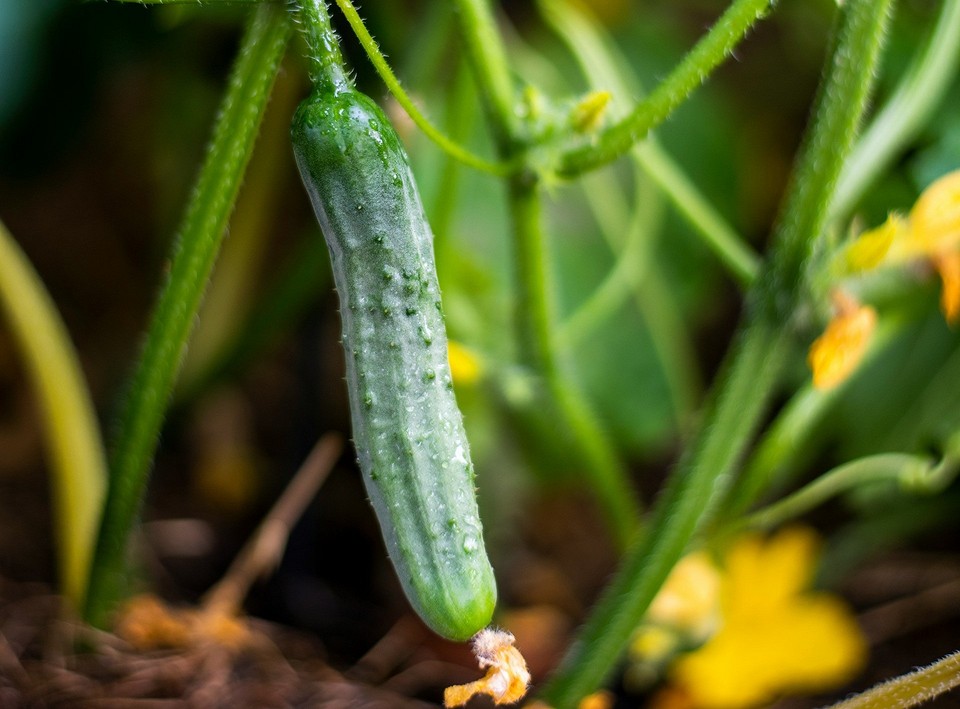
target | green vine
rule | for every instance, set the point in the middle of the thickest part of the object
(914, 473)
(191, 261)
(449, 146)
(536, 331)
(911, 689)
(920, 91)
(782, 450)
(754, 366)
(488, 59)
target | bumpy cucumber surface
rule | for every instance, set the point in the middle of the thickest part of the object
(407, 428)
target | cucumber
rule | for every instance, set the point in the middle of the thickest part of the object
(407, 429)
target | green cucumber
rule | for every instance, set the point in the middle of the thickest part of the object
(407, 429)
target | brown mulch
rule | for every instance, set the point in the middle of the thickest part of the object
(909, 615)
(46, 661)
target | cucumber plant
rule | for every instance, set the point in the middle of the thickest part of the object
(407, 429)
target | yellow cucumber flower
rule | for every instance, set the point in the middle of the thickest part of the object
(948, 265)
(588, 113)
(689, 599)
(685, 612)
(869, 250)
(837, 353)
(930, 232)
(935, 218)
(776, 636)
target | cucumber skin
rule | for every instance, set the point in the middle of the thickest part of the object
(407, 428)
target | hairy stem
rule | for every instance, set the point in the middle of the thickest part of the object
(536, 331)
(841, 104)
(327, 71)
(871, 469)
(488, 59)
(755, 365)
(194, 253)
(790, 440)
(920, 91)
(753, 368)
(909, 690)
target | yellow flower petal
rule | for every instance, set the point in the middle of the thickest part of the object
(729, 672)
(935, 218)
(465, 366)
(764, 575)
(587, 115)
(948, 266)
(836, 354)
(689, 599)
(826, 647)
(868, 250)
(598, 700)
(221, 627)
(507, 676)
(776, 637)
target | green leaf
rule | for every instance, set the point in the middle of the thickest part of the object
(73, 436)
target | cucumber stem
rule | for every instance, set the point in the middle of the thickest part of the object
(537, 337)
(451, 147)
(483, 47)
(327, 70)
